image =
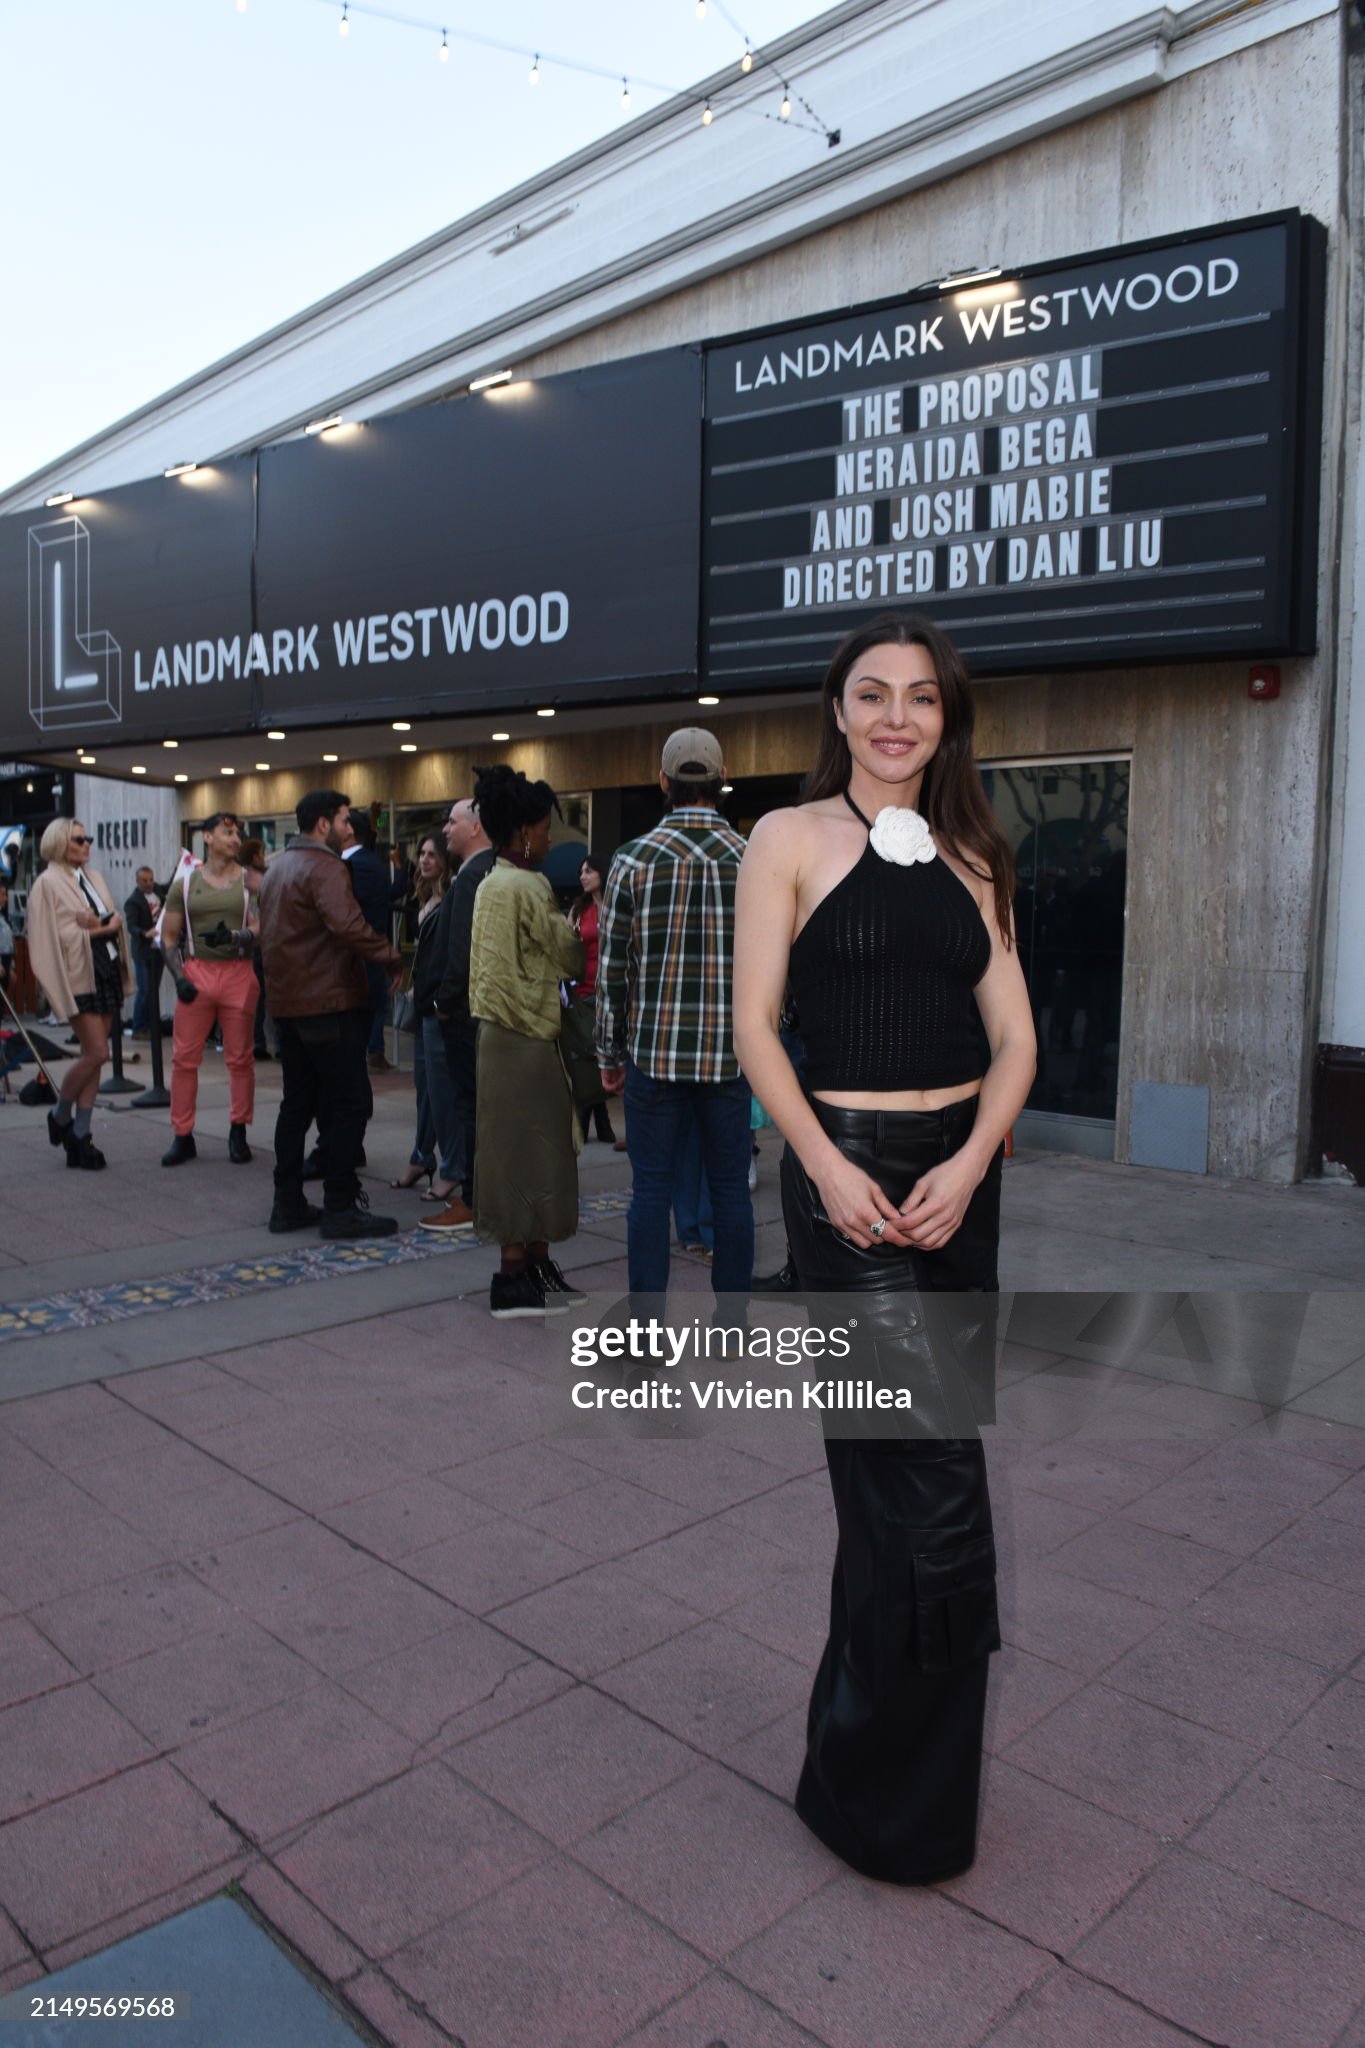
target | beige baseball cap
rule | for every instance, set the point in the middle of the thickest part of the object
(692, 756)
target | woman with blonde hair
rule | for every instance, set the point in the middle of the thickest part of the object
(79, 952)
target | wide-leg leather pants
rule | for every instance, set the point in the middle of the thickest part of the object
(891, 1780)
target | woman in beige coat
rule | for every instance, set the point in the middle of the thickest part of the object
(79, 953)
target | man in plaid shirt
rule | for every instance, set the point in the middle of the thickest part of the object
(667, 940)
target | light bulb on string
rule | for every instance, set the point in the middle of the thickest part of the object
(746, 62)
(344, 25)
(535, 70)
(444, 52)
(625, 94)
(707, 117)
(786, 108)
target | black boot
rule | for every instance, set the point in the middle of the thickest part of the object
(182, 1147)
(291, 1211)
(783, 1281)
(57, 1134)
(356, 1220)
(315, 1166)
(239, 1152)
(84, 1153)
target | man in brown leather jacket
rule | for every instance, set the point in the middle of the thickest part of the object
(313, 942)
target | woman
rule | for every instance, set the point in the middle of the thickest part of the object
(525, 1165)
(208, 933)
(79, 953)
(583, 916)
(885, 897)
(437, 1123)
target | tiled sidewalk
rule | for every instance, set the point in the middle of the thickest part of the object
(501, 1733)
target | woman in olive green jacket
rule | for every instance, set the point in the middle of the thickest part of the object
(525, 1161)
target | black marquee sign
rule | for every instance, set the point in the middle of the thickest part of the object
(1108, 459)
(1111, 459)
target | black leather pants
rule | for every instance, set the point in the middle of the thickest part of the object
(891, 1780)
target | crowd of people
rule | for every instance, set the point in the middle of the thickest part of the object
(877, 914)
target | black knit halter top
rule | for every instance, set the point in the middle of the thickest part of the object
(882, 975)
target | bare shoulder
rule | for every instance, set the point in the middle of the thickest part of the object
(790, 832)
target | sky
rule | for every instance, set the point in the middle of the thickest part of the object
(181, 175)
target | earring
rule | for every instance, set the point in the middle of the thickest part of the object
(525, 847)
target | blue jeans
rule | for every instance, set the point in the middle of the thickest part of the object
(446, 1128)
(141, 1022)
(691, 1195)
(657, 1116)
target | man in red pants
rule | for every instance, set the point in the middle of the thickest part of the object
(206, 936)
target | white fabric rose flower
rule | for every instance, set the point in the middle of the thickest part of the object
(902, 836)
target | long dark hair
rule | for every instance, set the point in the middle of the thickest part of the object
(600, 865)
(952, 799)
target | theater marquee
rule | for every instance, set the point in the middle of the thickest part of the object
(1112, 459)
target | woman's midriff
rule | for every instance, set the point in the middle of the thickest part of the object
(896, 1098)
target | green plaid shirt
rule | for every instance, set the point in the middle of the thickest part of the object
(667, 938)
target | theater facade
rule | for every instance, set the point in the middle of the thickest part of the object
(1063, 359)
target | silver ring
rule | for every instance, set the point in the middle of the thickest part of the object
(878, 1228)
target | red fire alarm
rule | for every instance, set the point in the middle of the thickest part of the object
(1264, 683)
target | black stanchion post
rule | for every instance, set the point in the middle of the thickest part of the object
(157, 1096)
(116, 1084)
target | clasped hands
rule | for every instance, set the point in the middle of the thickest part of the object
(930, 1214)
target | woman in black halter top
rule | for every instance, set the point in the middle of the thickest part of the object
(885, 900)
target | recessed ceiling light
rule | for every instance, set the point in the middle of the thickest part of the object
(500, 735)
(227, 771)
(401, 725)
(487, 382)
(708, 700)
(726, 788)
(408, 747)
(60, 498)
(262, 767)
(275, 735)
(139, 771)
(86, 760)
(181, 469)
(333, 419)
(182, 777)
(546, 711)
(170, 743)
(329, 757)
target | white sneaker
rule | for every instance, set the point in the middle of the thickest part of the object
(753, 1170)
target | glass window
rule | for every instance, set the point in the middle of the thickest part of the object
(1067, 822)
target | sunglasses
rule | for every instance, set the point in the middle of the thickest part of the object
(79, 839)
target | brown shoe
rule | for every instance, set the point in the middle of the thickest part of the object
(620, 1146)
(458, 1216)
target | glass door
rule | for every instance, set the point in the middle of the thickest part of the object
(1067, 822)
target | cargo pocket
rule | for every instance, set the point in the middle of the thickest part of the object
(956, 1616)
(942, 1614)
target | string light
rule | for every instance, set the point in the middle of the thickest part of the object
(707, 117)
(748, 61)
